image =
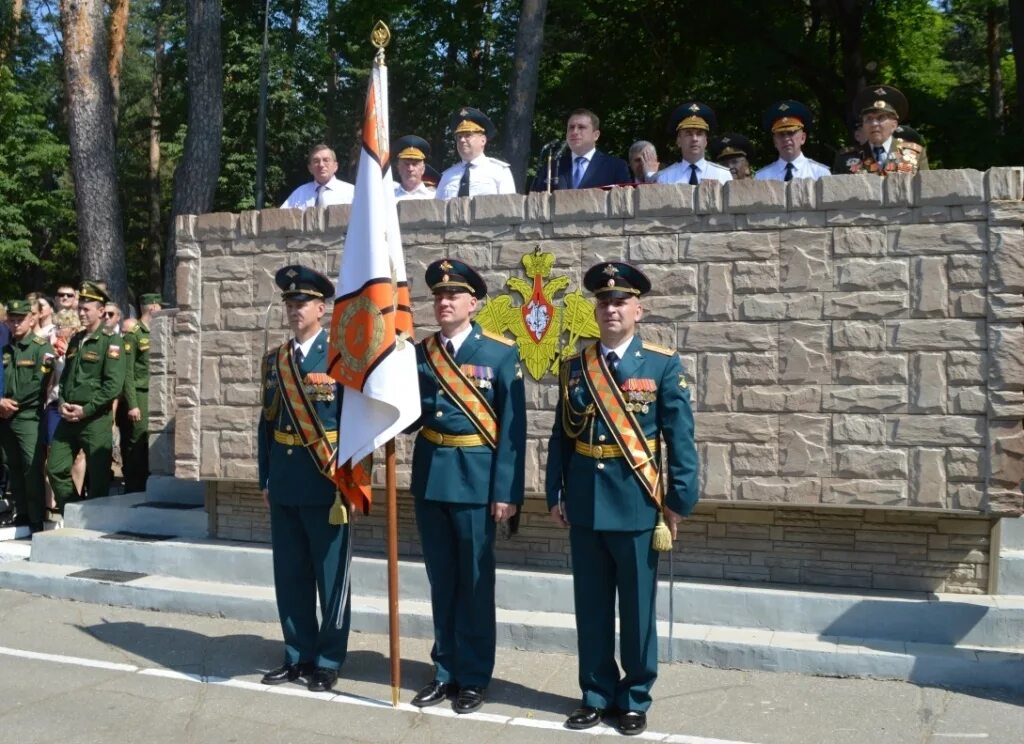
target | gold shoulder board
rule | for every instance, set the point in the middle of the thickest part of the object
(498, 337)
(660, 349)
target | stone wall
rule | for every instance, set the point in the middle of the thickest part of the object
(854, 343)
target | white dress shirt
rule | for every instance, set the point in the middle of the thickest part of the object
(420, 192)
(620, 350)
(458, 339)
(803, 167)
(486, 176)
(706, 171)
(305, 346)
(333, 192)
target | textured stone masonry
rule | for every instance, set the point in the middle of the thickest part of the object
(852, 344)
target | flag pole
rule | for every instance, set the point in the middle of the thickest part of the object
(393, 629)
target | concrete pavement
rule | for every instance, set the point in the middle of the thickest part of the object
(85, 673)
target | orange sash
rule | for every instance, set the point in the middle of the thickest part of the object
(466, 396)
(307, 423)
(623, 425)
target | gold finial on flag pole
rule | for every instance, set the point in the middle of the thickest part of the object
(380, 37)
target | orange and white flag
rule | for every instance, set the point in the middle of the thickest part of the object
(371, 327)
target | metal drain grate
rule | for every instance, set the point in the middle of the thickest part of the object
(136, 536)
(166, 505)
(107, 574)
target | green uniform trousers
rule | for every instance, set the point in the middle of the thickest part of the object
(309, 563)
(24, 453)
(458, 551)
(93, 436)
(605, 563)
(134, 444)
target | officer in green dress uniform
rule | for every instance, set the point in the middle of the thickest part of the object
(621, 401)
(28, 364)
(297, 447)
(133, 413)
(92, 379)
(468, 474)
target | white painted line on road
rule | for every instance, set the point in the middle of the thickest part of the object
(349, 699)
(963, 736)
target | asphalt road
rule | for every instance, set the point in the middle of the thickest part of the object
(77, 672)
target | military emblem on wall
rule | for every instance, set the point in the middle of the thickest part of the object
(539, 324)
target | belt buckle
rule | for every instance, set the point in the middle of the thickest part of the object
(597, 450)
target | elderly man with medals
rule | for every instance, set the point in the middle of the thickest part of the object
(468, 474)
(620, 401)
(298, 436)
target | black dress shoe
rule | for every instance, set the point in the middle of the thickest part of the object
(322, 679)
(434, 693)
(287, 673)
(584, 717)
(632, 722)
(470, 698)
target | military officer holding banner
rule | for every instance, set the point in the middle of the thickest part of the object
(621, 401)
(297, 444)
(468, 474)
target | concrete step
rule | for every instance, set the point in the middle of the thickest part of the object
(949, 619)
(169, 513)
(957, 665)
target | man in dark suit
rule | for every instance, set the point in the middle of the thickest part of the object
(584, 166)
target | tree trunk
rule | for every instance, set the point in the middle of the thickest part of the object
(195, 178)
(118, 34)
(154, 242)
(91, 135)
(993, 52)
(1017, 40)
(523, 91)
(10, 39)
(849, 15)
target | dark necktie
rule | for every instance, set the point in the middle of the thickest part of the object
(450, 348)
(577, 172)
(299, 356)
(693, 174)
(789, 172)
(464, 182)
(613, 360)
(319, 202)
(879, 155)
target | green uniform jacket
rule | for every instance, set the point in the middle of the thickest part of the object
(473, 475)
(93, 374)
(136, 357)
(28, 363)
(604, 494)
(288, 471)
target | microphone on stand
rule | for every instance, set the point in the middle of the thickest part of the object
(558, 159)
(550, 145)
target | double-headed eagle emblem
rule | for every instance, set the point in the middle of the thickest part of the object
(538, 323)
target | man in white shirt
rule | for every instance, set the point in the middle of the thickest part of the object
(476, 174)
(691, 123)
(788, 122)
(410, 155)
(324, 190)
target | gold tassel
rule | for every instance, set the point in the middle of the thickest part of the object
(662, 538)
(339, 514)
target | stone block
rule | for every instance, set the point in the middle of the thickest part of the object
(804, 445)
(849, 191)
(714, 391)
(778, 490)
(853, 334)
(965, 464)
(780, 220)
(754, 459)
(858, 429)
(859, 241)
(928, 383)
(729, 246)
(863, 398)
(967, 496)
(968, 400)
(943, 431)
(734, 427)
(868, 492)
(961, 186)
(281, 222)
(898, 190)
(1006, 267)
(842, 305)
(929, 297)
(421, 214)
(1006, 213)
(805, 260)
(597, 249)
(973, 303)
(803, 352)
(716, 299)
(653, 248)
(622, 202)
(228, 418)
(497, 209)
(1002, 404)
(582, 228)
(1008, 502)
(755, 276)
(801, 194)
(709, 197)
(185, 228)
(715, 475)
(1009, 306)
(966, 367)
(1004, 184)
(209, 384)
(870, 462)
(970, 270)
(726, 337)
(216, 226)
(751, 195)
(314, 220)
(661, 225)
(669, 308)
(755, 367)
(1006, 453)
(674, 279)
(1006, 355)
(858, 368)
(779, 306)
(777, 398)
(869, 216)
(228, 267)
(664, 199)
(928, 335)
(871, 274)
(955, 237)
(188, 285)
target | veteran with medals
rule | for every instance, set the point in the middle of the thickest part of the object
(885, 151)
(297, 444)
(468, 473)
(623, 408)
